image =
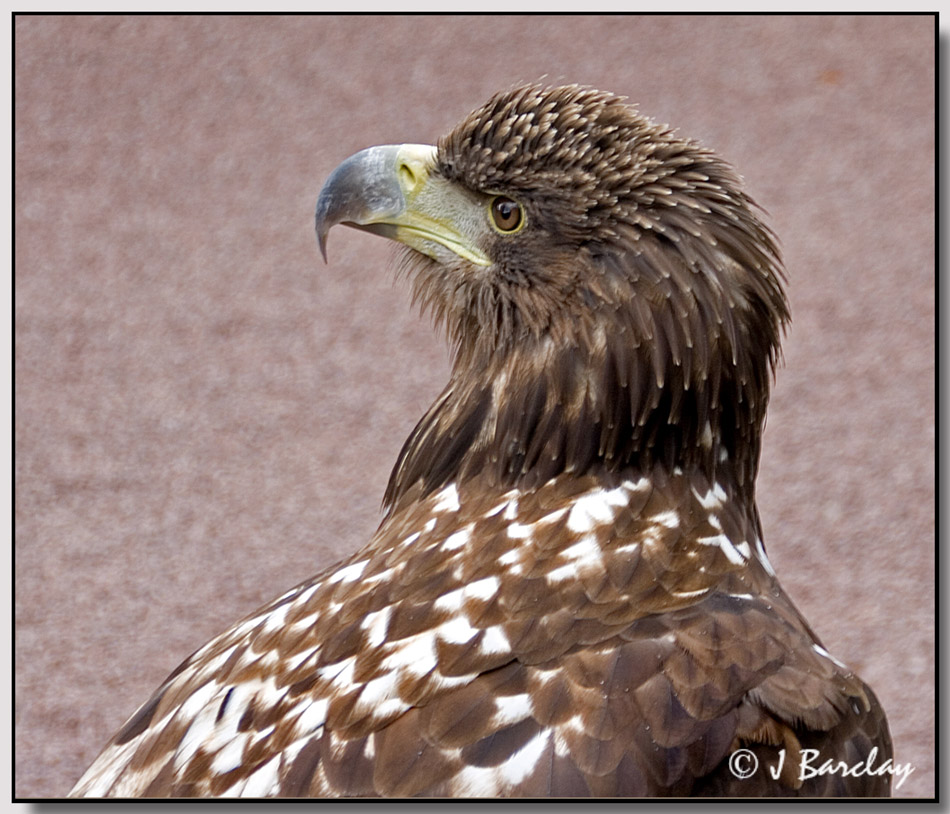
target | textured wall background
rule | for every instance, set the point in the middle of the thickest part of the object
(206, 415)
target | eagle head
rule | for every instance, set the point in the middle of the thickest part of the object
(614, 302)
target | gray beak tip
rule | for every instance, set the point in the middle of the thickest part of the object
(365, 190)
(322, 243)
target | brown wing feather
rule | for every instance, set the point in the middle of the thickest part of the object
(637, 675)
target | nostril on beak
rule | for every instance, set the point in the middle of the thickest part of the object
(413, 163)
(409, 177)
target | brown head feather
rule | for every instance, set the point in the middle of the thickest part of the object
(631, 324)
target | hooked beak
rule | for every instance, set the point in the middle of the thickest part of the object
(389, 191)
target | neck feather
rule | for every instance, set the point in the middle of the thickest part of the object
(596, 406)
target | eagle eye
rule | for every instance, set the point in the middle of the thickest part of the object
(506, 214)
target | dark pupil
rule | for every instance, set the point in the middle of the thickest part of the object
(507, 214)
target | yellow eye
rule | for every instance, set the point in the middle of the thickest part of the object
(506, 214)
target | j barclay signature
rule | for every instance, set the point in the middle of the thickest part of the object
(743, 763)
